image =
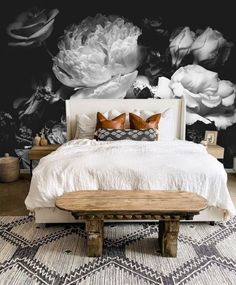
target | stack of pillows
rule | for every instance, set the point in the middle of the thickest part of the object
(138, 125)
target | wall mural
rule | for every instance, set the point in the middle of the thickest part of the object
(50, 54)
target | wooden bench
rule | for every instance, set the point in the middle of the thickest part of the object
(168, 207)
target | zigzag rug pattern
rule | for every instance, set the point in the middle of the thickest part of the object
(56, 254)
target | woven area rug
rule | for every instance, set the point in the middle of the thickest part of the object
(56, 254)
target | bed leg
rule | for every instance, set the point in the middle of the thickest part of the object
(212, 223)
(31, 167)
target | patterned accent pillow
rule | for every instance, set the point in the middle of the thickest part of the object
(126, 134)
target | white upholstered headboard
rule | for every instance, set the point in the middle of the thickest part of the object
(76, 106)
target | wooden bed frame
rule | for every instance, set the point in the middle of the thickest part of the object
(76, 106)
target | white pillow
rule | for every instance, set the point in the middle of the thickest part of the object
(166, 130)
(115, 113)
(86, 124)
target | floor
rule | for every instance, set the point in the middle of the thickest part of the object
(12, 195)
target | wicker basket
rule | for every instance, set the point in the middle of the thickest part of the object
(9, 168)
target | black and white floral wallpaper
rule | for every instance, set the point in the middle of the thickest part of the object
(51, 51)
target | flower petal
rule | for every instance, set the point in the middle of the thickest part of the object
(226, 88)
(116, 88)
(228, 101)
(85, 67)
(124, 56)
(207, 45)
(32, 17)
(21, 43)
(163, 90)
(201, 39)
(197, 79)
(26, 31)
(191, 98)
(180, 45)
(223, 121)
(183, 40)
(52, 14)
(32, 42)
(192, 118)
(211, 101)
(42, 31)
(29, 26)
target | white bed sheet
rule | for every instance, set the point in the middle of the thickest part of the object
(90, 165)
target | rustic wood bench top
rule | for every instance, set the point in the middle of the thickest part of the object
(168, 207)
(130, 201)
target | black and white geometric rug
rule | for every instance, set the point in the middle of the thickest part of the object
(56, 254)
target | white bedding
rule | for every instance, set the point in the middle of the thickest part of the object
(91, 165)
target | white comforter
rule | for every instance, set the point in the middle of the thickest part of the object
(91, 165)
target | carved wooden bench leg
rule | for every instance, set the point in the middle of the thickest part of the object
(94, 230)
(168, 234)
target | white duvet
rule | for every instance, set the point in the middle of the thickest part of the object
(91, 165)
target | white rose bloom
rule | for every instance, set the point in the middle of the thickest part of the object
(180, 45)
(207, 97)
(207, 45)
(198, 85)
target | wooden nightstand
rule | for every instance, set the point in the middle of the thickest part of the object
(215, 150)
(37, 152)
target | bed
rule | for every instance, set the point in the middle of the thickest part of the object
(87, 164)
